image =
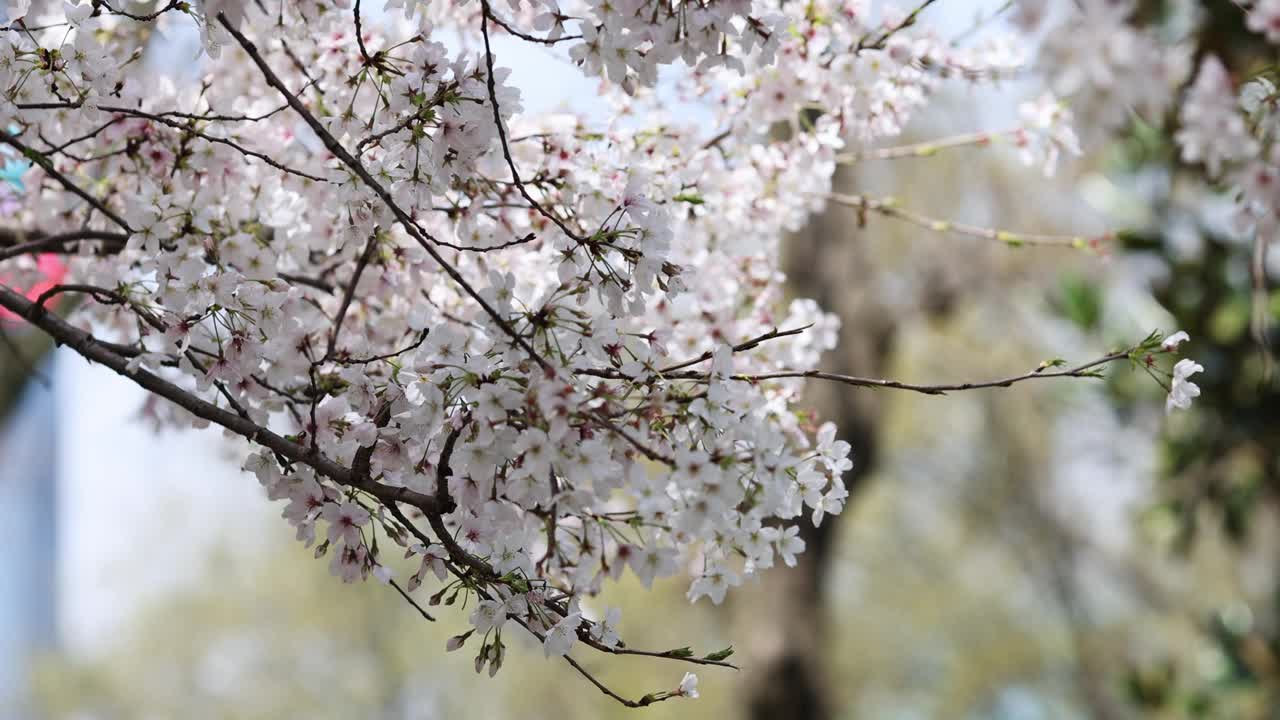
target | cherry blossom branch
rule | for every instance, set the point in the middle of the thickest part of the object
(13, 244)
(522, 622)
(229, 143)
(424, 239)
(662, 654)
(413, 228)
(740, 347)
(409, 599)
(1044, 371)
(41, 242)
(878, 44)
(95, 350)
(599, 685)
(360, 462)
(310, 282)
(363, 262)
(443, 468)
(531, 38)
(214, 117)
(485, 571)
(1086, 370)
(99, 294)
(486, 14)
(644, 701)
(611, 373)
(364, 52)
(342, 359)
(38, 158)
(172, 5)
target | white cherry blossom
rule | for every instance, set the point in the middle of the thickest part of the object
(531, 351)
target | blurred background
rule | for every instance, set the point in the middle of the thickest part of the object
(1060, 550)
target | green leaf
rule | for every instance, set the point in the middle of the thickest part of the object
(1081, 302)
(1054, 363)
(720, 654)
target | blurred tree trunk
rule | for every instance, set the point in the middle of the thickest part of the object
(828, 262)
(1053, 554)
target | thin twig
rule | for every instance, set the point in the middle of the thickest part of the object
(410, 600)
(361, 264)
(42, 243)
(889, 208)
(486, 14)
(1086, 370)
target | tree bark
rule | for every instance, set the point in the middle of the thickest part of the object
(828, 262)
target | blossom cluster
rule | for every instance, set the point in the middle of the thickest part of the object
(1232, 129)
(1107, 67)
(561, 345)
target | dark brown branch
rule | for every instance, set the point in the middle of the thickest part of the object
(167, 113)
(342, 360)
(866, 43)
(486, 14)
(751, 344)
(40, 242)
(423, 238)
(408, 598)
(364, 52)
(173, 5)
(39, 159)
(443, 470)
(360, 463)
(347, 296)
(307, 281)
(532, 38)
(642, 702)
(100, 294)
(236, 146)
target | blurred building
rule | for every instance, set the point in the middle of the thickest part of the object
(28, 536)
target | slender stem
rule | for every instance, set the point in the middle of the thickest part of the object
(486, 14)
(361, 264)
(889, 208)
(1080, 371)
